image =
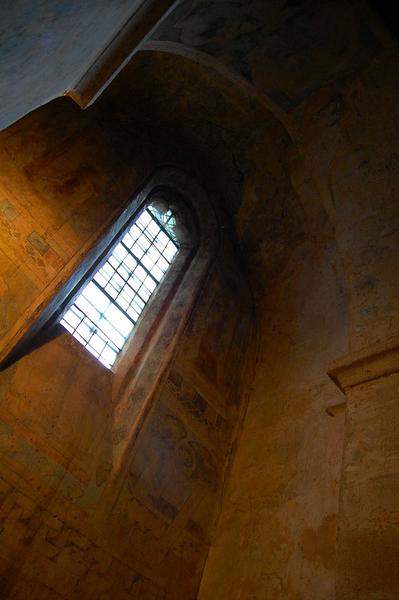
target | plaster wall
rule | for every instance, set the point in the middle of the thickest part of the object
(47, 46)
(286, 50)
(277, 529)
(72, 524)
(335, 293)
(368, 534)
(368, 541)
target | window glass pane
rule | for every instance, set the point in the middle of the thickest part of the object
(85, 330)
(115, 336)
(144, 218)
(123, 272)
(120, 252)
(161, 241)
(163, 264)
(138, 249)
(87, 308)
(123, 302)
(117, 281)
(147, 262)
(153, 228)
(108, 356)
(109, 288)
(144, 293)
(114, 262)
(154, 254)
(130, 263)
(169, 251)
(115, 316)
(107, 270)
(95, 296)
(150, 284)
(99, 277)
(104, 314)
(73, 318)
(140, 273)
(97, 343)
(133, 313)
(156, 272)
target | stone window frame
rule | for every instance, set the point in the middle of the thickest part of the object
(145, 363)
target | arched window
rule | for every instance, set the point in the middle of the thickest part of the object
(144, 355)
(134, 289)
(110, 305)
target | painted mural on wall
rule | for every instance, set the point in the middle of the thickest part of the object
(270, 43)
(71, 524)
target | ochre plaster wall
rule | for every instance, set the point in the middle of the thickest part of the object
(276, 534)
(327, 286)
(367, 541)
(66, 532)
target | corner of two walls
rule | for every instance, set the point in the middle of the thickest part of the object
(325, 264)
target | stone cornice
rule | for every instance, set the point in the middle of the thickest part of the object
(366, 365)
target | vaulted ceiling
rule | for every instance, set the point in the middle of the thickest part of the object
(285, 49)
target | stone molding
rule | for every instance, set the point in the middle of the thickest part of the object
(366, 365)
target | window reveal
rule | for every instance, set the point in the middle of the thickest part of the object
(107, 309)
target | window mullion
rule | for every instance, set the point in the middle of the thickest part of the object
(112, 300)
(135, 292)
(98, 328)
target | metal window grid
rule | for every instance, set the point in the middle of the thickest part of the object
(107, 309)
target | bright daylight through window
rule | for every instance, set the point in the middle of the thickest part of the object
(105, 312)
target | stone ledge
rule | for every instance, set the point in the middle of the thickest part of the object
(366, 365)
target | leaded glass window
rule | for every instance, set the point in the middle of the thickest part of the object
(105, 312)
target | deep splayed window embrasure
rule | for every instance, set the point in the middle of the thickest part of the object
(104, 314)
